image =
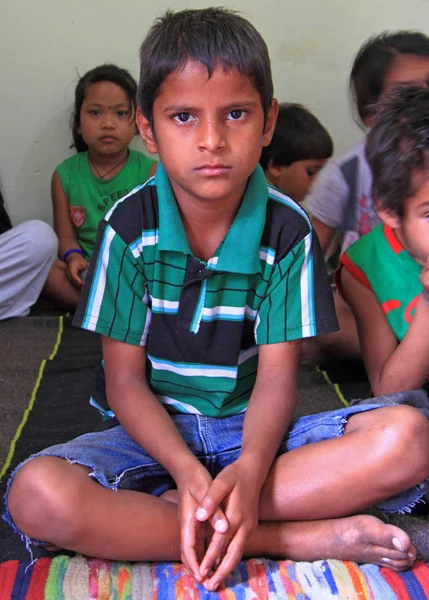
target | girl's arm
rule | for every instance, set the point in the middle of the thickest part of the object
(65, 231)
(391, 366)
(62, 222)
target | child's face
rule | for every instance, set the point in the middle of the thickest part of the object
(407, 68)
(106, 124)
(208, 132)
(412, 229)
(294, 180)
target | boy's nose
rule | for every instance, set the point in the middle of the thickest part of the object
(211, 136)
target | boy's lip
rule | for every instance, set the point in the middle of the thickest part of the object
(108, 138)
(213, 169)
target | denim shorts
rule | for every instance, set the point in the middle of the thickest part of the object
(117, 462)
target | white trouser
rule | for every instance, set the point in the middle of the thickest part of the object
(27, 252)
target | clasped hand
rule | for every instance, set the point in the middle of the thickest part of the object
(216, 518)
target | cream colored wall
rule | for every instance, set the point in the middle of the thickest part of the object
(44, 44)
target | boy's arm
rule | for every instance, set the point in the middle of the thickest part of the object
(140, 413)
(238, 486)
(145, 420)
(391, 366)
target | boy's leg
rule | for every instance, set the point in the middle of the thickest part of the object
(83, 516)
(378, 456)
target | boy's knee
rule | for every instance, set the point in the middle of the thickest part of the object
(35, 496)
(406, 436)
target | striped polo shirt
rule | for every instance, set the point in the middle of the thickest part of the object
(202, 322)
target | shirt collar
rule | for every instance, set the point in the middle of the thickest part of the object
(239, 251)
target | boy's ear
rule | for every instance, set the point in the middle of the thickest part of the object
(389, 218)
(270, 122)
(146, 132)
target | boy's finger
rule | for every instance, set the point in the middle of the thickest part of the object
(229, 562)
(209, 505)
(189, 548)
(214, 552)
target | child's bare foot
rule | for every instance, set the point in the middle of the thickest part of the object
(362, 539)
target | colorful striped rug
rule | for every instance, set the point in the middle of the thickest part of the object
(65, 578)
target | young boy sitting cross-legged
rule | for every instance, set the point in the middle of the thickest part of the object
(202, 283)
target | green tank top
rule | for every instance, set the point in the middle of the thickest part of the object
(90, 197)
(380, 262)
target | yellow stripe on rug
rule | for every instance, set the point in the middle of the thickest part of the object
(27, 411)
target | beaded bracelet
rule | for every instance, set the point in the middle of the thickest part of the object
(77, 250)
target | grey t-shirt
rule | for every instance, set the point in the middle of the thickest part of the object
(341, 197)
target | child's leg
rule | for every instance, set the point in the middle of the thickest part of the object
(27, 252)
(71, 510)
(381, 453)
(341, 344)
(59, 289)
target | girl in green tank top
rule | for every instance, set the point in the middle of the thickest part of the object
(87, 185)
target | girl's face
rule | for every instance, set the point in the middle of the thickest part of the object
(405, 69)
(107, 122)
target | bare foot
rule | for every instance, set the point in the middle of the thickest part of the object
(362, 539)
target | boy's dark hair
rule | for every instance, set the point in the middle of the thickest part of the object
(211, 36)
(107, 72)
(397, 146)
(298, 135)
(373, 61)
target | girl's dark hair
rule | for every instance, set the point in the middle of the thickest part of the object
(397, 146)
(107, 72)
(211, 36)
(298, 135)
(373, 61)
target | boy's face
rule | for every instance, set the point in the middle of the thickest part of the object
(208, 133)
(412, 229)
(295, 179)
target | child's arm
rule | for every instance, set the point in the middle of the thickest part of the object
(391, 366)
(324, 233)
(238, 486)
(145, 419)
(66, 233)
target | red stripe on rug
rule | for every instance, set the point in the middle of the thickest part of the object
(396, 583)
(421, 571)
(39, 577)
(7, 577)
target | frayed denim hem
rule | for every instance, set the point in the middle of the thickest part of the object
(6, 516)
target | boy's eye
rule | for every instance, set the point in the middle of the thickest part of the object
(94, 112)
(183, 117)
(236, 114)
(312, 172)
(122, 113)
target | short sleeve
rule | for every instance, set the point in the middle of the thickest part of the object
(327, 200)
(298, 302)
(114, 300)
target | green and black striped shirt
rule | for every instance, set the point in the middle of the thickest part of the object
(202, 322)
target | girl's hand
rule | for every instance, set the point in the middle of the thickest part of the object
(235, 489)
(75, 264)
(196, 534)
